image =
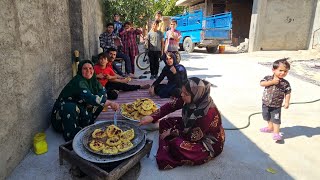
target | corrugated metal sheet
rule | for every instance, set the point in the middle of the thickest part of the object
(188, 2)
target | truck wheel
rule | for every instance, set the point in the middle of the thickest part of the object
(212, 49)
(188, 45)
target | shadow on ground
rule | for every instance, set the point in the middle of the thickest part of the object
(295, 131)
(247, 158)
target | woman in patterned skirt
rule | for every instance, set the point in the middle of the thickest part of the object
(80, 102)
(194, 138)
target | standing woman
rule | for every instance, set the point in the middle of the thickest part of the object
(129, 41)
(80, 102)
(197, 136)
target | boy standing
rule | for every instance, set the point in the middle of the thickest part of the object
(155, 45)
(117, 24)
(158, 17)
(129, 40)
(276, 90)
(173, 37)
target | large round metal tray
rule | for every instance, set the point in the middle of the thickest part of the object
(138, 134)
(81, 151)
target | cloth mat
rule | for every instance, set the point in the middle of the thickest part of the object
(131, 96)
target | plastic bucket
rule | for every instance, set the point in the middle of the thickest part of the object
(221, 49)
(40, 144)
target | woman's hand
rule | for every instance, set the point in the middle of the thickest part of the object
(173, 70)
(146, 120)
(165, 133)
(113, 105)
(151, 91)
(185, 130)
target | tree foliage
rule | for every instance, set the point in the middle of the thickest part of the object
(139, 11)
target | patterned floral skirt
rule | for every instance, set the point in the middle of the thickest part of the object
(70, 117)
(178, 151)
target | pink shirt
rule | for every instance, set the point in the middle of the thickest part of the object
(173, 45)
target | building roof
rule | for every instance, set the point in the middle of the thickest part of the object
(187, 2)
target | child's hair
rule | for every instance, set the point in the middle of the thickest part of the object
(281, 61)
(174, 21)
(127, 23)
(102, 55)
(109, 24)
(157, 22)
(159, 12)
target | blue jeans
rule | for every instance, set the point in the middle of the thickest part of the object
(127, 63)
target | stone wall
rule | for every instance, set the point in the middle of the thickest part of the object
(37, 39)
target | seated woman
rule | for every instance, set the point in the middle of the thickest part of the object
(194, 138)
(176, 75)
(80, 102)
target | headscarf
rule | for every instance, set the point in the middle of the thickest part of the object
(174, 61)
(201, 101)
(78, 83)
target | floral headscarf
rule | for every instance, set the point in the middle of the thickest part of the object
(201, 101)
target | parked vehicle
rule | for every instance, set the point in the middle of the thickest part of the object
(200, 31)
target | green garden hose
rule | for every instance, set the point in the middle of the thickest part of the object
(248, 124)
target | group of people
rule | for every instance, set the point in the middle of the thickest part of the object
(192, 139)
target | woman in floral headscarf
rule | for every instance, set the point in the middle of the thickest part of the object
(194, 138)
(80, 102)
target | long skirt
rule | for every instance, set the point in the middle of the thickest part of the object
(178, 151)
(70, 117)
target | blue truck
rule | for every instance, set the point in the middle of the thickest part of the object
(200, 31)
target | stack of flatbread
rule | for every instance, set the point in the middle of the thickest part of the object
(138, 109)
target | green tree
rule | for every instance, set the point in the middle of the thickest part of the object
(139, 11)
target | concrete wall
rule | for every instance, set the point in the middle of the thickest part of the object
(287, 24)
(35, 52)
(315, 31)
(281, 25)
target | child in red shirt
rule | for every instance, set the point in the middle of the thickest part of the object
(109, 79)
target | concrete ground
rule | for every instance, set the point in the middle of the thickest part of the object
(247, 153)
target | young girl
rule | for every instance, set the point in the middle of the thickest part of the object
(276, 90)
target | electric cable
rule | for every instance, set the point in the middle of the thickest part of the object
(248, 124)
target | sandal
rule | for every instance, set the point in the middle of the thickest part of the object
(266, 130)
(276, 137)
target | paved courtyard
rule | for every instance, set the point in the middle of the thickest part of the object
(247, 153)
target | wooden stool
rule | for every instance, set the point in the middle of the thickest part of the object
(107, 171)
